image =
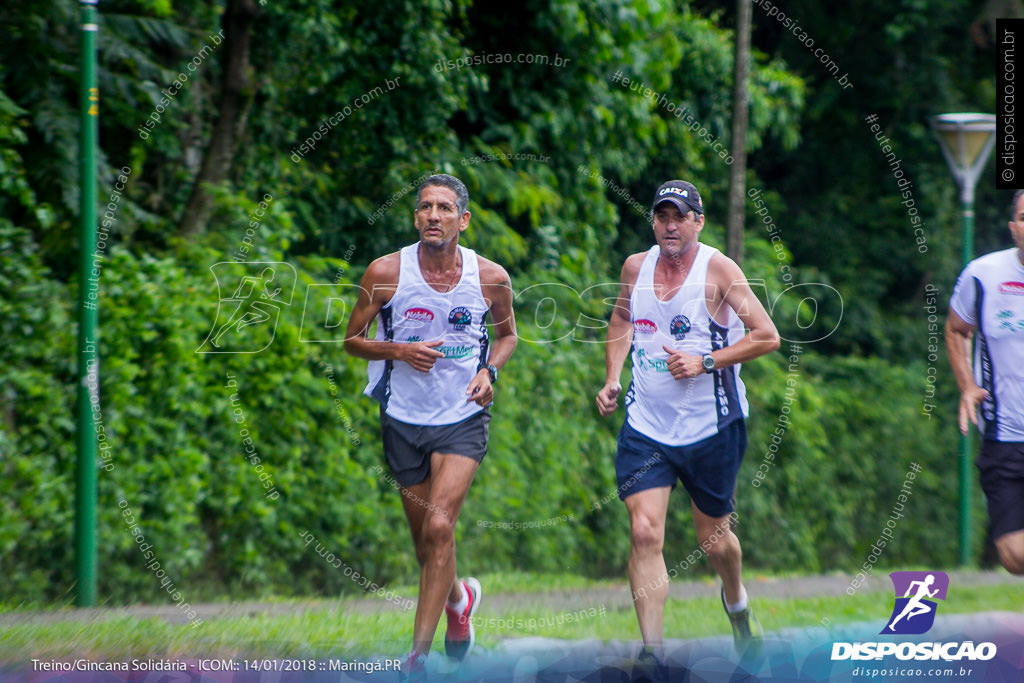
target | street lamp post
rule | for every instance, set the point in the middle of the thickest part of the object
(88, 368)
(966, 141)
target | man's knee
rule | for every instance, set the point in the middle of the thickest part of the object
(1012, 564)
(1012, 558)
(721, 544)
(438, 530)
(646, 534)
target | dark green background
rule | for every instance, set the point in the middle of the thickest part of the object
(856, 424)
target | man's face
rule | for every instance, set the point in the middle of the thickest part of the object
(675, 231)
(1017, 228)
(437, 216)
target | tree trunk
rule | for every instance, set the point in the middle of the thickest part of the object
(740, 105)
(237, 91)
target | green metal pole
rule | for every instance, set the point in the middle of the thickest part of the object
(88, 368)
(965, 439)
(968, 213)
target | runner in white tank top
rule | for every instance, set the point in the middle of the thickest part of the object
(989, 296)
(433, 369)
(417, 312)
(673, 412)
(686, 404)
(988, 306)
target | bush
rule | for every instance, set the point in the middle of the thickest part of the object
(175, 420)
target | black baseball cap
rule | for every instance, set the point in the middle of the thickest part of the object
(681, 193)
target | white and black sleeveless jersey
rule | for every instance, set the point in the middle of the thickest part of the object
(418, 312)
(670, 411)
(990, 295)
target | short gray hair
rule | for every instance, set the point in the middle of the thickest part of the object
(453, 184)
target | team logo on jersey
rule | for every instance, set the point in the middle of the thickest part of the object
(1012, 288)
(644, 326)
(423, 315)
(460, 318)
(679, 326)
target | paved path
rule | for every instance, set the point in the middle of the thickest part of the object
(568, 600)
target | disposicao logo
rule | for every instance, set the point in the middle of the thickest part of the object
(914, 611)
(913, 614)
(1012, 288)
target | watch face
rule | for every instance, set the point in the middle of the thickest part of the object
(708, 362)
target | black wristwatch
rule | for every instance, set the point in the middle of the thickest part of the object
(708, 362)
(491, 370)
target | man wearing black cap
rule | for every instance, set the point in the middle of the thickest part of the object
(681, 313)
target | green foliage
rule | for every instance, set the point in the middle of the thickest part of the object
(36, 421)
(843, 212)
(855, 427)
(545, 498)
(560, 162)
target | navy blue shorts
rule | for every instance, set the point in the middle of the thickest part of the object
(707, 468)
(1001, 465)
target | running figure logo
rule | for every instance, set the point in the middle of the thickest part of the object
(246, 321)
(914, 612)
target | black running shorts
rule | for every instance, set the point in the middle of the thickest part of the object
(408, 447)
(1001, 464)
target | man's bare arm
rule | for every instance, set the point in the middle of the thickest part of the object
(958, 344)
(762, 337)
(730, 289)
(620, 338)
(377, 287)
(497, 289)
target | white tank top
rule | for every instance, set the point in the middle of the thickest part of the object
(418, 312)
(670, 411)
(990, 295)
